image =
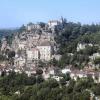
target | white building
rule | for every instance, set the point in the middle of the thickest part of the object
(45, 50)
(94, 56)
(20, 61)
(77, 74)
(53, 23)
(81, 46)
(56, 24)
(51, 73)
(29, 73)
(65, 71)
(57, 57)
(22, 45)
(32, 26)
(57, 78)
(32, 54)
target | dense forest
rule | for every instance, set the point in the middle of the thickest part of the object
(20, 87)
(8, 33)
(74, 33)
(69, 38)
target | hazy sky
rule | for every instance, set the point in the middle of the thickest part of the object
(14, 13)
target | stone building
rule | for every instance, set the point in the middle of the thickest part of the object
(32, 54)
(32, 26)
(45, 50)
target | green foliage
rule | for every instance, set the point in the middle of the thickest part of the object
(22, 28)
(14, 82)
(53, 62)
(42, 24)
(68, 40)
(97, 61)
(41, 64)
(11, 54)
(39, 71)
(32, 88)
(9, 38)
(66, 76)
(2, 58)
(7, 32)
(96, 89)
(89, 50)
(93, 38)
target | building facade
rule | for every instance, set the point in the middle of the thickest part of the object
(45, 51)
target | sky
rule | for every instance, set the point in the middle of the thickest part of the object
(14, 13)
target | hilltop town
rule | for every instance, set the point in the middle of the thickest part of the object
(33, 45)
(58, 50)
(49, 49)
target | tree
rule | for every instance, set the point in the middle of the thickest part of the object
(39, 71)
(62, 81)
(42, 24)
(11, 54)
(39, 79)
(85, 95)
(96, 89)
(41, 64)
(97, 61)
(22, 28)
(54, 62)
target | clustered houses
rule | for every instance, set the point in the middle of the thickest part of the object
(33, 50)
(35, 43)
(74, 74)
(51, 25)
(42, 51)
(36, 46)
(32, 54)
